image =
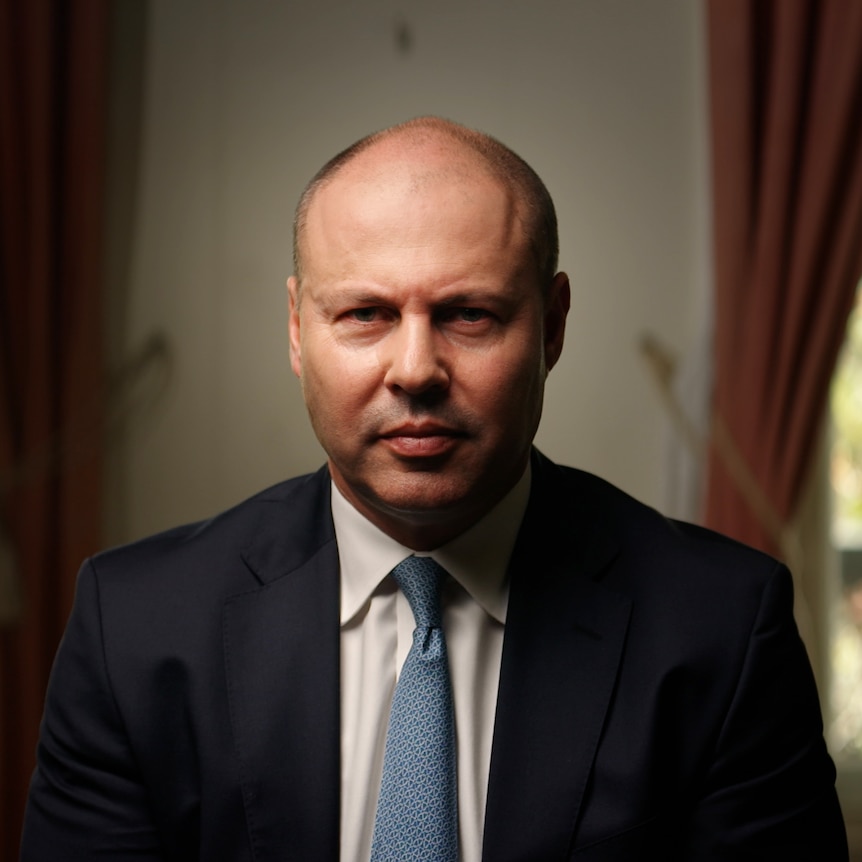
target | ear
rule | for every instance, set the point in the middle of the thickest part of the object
(557, 305)
(293, 325)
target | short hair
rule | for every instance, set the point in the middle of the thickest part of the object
(503, 164)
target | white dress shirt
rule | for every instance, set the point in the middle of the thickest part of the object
(376, 634)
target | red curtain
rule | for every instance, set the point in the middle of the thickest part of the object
(786, 111)
(52, 110)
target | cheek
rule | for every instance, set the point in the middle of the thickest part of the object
(507, 380)
(335, 384)
(515, 401)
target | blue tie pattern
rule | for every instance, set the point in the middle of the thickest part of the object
(417, 813)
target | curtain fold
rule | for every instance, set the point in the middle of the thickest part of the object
(786, 114)
(52, 155)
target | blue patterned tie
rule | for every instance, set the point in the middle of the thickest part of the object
(417, 813)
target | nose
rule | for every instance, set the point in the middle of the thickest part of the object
(414, 363)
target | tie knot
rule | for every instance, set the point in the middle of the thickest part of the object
(421, 581)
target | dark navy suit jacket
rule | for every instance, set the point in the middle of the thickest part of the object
(655, 700)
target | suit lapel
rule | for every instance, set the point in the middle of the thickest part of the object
(281, 647)
(563, 645)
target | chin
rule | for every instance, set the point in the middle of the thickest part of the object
(426, 498)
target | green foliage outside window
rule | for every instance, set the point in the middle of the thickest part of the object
(847, 419)
(845, 700)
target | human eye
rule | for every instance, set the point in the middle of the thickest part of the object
(471, 315)
(366, 314)
(468, 316)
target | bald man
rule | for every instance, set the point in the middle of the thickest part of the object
(619, 686)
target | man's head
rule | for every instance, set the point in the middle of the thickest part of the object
(425, 314)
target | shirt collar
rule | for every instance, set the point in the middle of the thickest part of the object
(477, 559)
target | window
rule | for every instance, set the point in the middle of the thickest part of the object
(845, 613)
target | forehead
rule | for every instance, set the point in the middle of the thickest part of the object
(431, 192)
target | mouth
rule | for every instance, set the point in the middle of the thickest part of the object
(426, 440)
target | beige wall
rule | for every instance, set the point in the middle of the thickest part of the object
(244, 99)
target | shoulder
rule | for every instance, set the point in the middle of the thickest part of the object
(295, 512)
(702, 607)
(163, 597)
(636, 550)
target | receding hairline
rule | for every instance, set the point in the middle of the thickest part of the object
(496, 158)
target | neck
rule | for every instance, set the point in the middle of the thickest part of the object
(429, 529)
(423, 532)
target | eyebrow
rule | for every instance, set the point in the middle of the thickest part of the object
(360, 295)
(363, 295)
(473, 296)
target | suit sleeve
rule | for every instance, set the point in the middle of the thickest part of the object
(87, 800)
(769, 790)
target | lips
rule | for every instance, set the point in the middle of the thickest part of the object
(427, 440)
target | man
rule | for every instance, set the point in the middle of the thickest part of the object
(623, 687)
